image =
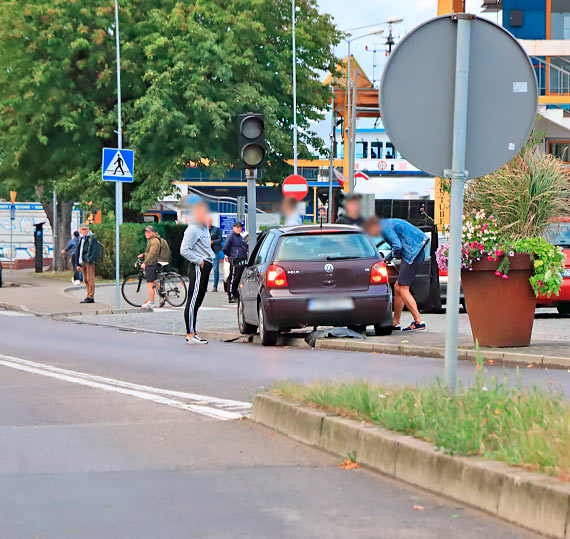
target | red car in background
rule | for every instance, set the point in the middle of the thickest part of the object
(559, 234)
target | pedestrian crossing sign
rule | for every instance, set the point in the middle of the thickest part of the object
(118, 165)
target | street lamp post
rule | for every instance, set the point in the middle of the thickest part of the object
(350, 114)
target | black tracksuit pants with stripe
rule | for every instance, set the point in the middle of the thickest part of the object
(197, 288)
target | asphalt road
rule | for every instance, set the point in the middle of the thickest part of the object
(84, 454)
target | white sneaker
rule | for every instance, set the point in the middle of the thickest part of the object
(148, 305)
(196, 339)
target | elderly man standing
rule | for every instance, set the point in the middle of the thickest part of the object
(88, 250)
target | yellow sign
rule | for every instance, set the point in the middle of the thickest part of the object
(441, 205)
(13, 196)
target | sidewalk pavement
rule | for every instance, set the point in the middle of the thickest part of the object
(217, 320)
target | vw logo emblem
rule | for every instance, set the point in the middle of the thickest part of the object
(329, 268)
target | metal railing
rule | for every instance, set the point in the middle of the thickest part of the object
(220, 204)
(553, 76)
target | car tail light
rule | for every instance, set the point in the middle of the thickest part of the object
(276, 277)
(442, 273)
(379, 273)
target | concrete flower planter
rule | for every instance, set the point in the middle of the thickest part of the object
(501, 311)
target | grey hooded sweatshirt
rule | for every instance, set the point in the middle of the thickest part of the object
(196, 244)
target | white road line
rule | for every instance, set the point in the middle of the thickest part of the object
(223, 409)
(14, 313)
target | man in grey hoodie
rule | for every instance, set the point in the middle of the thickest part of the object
(196, 248)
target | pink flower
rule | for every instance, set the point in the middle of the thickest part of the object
(505, 276)
(498, 273)
(539, 282)
(490, 258)
(499, 252)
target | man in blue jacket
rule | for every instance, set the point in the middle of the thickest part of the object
(235, 249)
(408, 243)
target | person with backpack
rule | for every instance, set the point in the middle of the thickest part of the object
(157, 250)
(88, 252)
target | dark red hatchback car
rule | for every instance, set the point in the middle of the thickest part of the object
(314, 276)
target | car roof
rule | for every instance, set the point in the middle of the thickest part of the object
(312, 229)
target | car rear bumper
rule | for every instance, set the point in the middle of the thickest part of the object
(285, 310)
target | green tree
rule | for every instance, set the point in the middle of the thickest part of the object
(188, 69)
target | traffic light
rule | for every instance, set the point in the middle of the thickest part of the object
(251, 140)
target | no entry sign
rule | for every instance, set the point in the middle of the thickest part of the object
(295, 186)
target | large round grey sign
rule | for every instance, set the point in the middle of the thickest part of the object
(417, 96)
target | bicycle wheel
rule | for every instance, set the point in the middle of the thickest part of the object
(174, 289)
(134, 291)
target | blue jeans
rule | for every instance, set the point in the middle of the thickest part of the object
(217, 269)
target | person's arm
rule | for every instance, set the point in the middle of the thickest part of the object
(153, 252)
(227, 245)
(217, 239)
(393, 239)
(187, 247)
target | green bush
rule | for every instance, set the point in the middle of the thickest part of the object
(133, 242)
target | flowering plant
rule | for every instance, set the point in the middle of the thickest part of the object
(482, 238)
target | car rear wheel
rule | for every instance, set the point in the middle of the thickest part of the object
(382, 330)
(564, 308)
(244, 327)
(361, 328)
(268, 338)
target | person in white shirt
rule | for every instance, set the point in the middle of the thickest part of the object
(289, 212)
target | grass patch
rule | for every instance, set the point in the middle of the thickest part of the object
(529, 428)
(65, 276)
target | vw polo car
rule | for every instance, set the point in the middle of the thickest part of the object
(308, 276)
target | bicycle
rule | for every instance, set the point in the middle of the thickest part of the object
(170, 287)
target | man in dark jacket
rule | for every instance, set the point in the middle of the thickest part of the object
(352, 212)
(235, 249)
(216, 243)
(86, 255)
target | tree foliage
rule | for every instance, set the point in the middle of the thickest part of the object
(188, 69)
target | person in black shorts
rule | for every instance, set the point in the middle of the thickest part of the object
(150, 264)
(408, 243)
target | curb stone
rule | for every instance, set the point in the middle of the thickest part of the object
(531, 500)
(499, 358)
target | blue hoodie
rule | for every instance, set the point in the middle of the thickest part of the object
(406, 240)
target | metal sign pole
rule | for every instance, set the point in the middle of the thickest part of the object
(352, 153)
(458, 175)
(251, 175)
(293, 17)
(12, 224)
(118, 184)
(54, 231)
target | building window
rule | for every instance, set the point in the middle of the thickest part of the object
(376, 149)
(362, 150)
(560, 149)
(340, 150)
(560, 20)
(391, 152)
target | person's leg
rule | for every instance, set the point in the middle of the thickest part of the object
(193, 285)
(237, 277)
(410, 302)
(231, 280)
(202, 289)
(84, 273)
(398, 305)
(216, 271)
(89, 278)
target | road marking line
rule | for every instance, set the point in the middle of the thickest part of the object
(14, 313)
(222, 409)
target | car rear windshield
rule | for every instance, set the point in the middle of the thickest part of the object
(325, 247)
(558, 234)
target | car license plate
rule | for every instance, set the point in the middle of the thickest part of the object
(330, 304)
(566, 273)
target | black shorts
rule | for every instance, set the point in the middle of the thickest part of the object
(151, 272)
(408, 271)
